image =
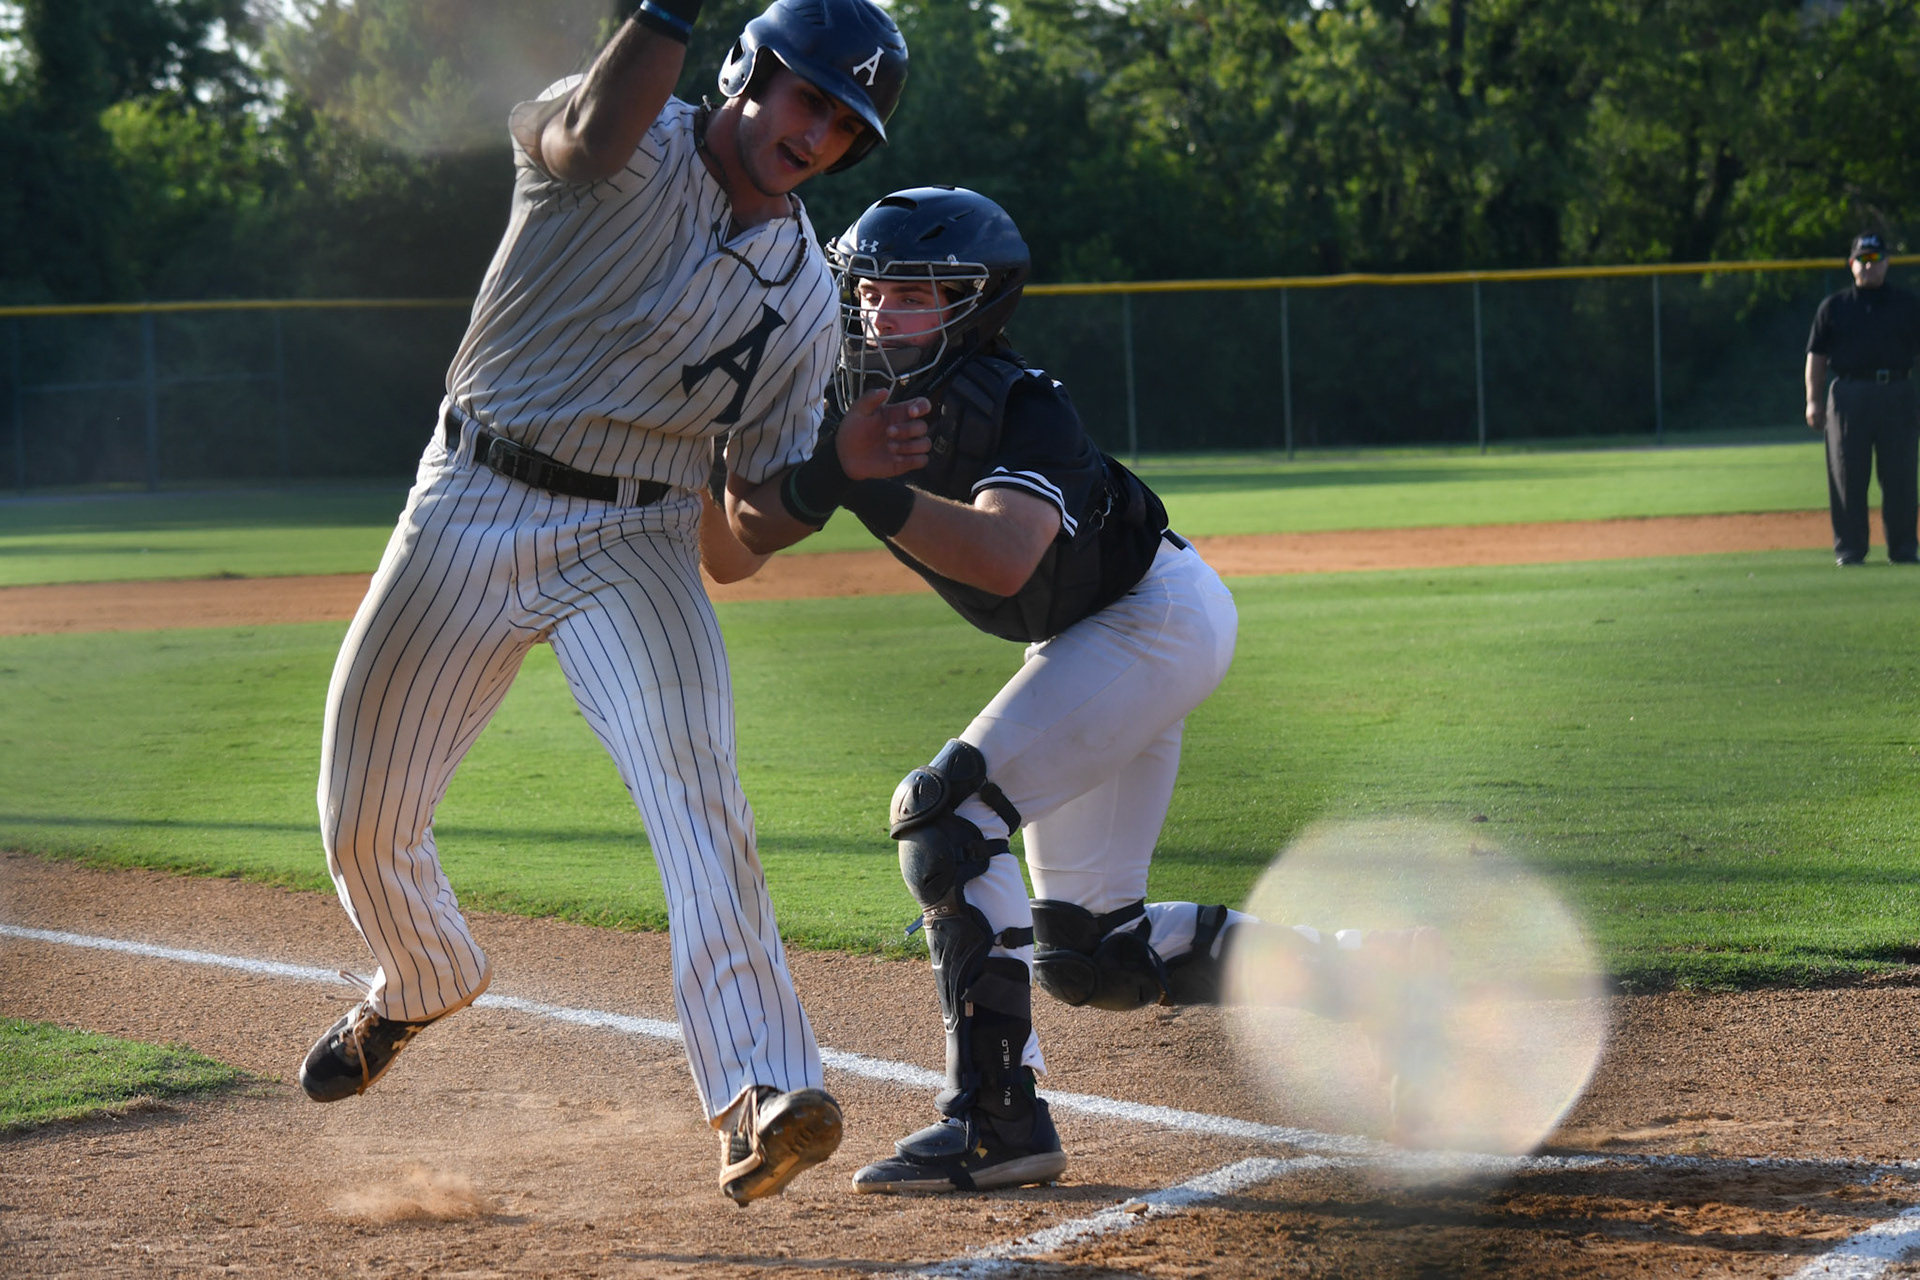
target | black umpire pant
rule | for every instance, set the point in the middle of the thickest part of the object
(1866, 420)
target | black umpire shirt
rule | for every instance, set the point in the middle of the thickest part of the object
(1863, 330)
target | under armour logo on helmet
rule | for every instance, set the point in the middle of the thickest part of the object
(871, 66)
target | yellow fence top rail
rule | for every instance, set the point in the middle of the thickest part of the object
(1349, 279)
(1433, 277)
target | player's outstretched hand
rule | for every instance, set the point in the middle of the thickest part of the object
(877, 440)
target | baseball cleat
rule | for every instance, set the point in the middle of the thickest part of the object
(358, 1049)
(1407, 974)
(968, 1154)
(768, 1138)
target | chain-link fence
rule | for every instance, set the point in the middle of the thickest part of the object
(184, 393)
(190, 393)
(1464, 358)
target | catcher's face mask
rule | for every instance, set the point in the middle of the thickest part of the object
(900, 320)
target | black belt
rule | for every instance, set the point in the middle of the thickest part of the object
(517, 462)
(1875, 375)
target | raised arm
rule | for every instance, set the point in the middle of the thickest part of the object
(591, 133)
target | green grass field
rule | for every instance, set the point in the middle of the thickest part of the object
(320, 530)
(1713, 757)
(48, 1073)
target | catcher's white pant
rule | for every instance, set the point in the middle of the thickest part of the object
(479, 570)
(1085, 742)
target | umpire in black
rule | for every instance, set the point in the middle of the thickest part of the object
(1860, 390)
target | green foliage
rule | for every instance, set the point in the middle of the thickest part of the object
(65, 223)
(48, 1073)
(1448, 133)
(428, 77)
(179, 147)
(983, 109)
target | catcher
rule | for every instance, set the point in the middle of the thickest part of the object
(1032, 534)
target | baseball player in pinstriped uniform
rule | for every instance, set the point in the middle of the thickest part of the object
(1032, 534)
(658, 285)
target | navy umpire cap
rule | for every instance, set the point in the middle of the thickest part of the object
(1868, 242)
(851, 49)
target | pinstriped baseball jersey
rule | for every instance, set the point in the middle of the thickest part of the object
(618, 334)
(621, 324)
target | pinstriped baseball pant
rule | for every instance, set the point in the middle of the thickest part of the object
(480, 569)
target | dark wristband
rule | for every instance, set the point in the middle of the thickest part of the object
(671, 18)
(882, 505)
(814, 488)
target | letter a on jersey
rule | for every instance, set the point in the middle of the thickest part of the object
(740, 361)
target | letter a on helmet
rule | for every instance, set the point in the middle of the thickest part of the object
(850, 49)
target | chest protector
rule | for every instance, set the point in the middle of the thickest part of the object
(1071, 580)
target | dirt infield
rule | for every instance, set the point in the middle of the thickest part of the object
(1737, 1134)
(508, 1143)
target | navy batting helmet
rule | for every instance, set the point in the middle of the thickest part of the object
(961, 242)
(848, 48)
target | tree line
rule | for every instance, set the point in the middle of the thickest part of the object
(226, 148)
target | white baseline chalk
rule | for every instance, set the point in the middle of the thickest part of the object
(1869, 1254)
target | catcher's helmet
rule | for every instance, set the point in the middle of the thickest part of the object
(960, 241)
(848, 48)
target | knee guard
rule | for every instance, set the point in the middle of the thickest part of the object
(986, 1002)
(1196, 977)
(939, 850)
(1080, 958)
(957, 772)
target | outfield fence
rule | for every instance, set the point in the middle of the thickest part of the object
(181, 393)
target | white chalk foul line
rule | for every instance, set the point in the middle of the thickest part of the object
(855, 1064)
(1869, 1254)
(1010, 1258)
(1861, 1256)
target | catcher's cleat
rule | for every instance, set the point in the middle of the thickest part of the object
(358, 1049)
(969, 1153)
(1406, 981)
(767, 1138)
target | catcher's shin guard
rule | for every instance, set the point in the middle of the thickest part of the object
(1103, 961)
(1292, 967)
(986, 1002)
(1199, 976)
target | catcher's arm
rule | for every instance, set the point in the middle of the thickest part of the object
(591, 133)
(874, 440)
(994, 544)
